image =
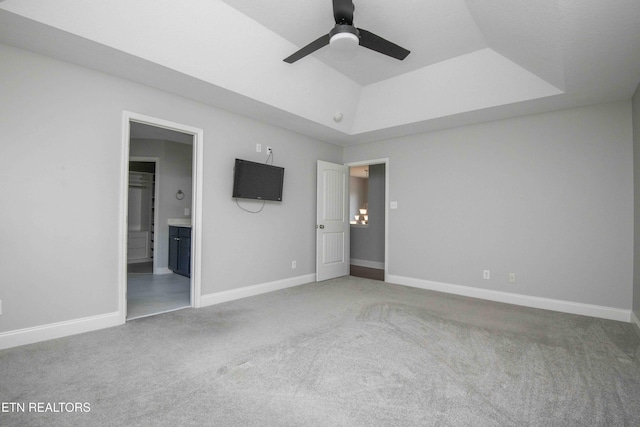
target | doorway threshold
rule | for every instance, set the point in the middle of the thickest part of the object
(142, 316)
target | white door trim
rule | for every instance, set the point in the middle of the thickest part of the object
(384, 161)
(196, 207)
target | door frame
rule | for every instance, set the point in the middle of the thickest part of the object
(384, 161)
(196, 205)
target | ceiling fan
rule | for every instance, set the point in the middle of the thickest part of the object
(344, 36)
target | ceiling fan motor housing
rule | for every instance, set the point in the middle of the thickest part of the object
(343, 28)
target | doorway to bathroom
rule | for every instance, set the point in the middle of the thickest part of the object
(160, 198)
(161, 217)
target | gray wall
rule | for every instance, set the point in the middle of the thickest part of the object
(174, 173)
(548, 197)
(367, 243)
(636, 168)
(60, 180)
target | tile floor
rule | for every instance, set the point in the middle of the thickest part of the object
(149, 294)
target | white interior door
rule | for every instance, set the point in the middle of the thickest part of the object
(332, 221)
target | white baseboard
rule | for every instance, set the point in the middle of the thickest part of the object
(249, 291)
(162, 270)
(517, 299)
(58, 330)
(366, 263)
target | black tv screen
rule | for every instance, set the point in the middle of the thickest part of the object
(259, 181)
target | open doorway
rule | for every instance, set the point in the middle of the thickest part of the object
(367, 213)
(161, 202)
(160, 199)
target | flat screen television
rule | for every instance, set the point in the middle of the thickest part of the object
(258, 181)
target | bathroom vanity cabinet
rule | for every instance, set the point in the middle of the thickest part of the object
(180, 250)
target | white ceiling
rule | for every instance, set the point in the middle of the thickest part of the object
(444, 28)
(470, 61)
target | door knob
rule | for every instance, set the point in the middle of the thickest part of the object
(321, 226)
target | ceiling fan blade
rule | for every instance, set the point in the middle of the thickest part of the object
(343, 11)
(377, 43)
(308, 49)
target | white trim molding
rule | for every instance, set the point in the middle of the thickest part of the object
(58, 330)
(562, 306)
(369, 264)
(249, 291)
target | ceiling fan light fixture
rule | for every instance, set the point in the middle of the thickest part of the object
(344, 42)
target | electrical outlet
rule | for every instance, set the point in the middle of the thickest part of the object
(486, 274)
(293, 264)
(0, 307)
(258, 148)
(512, 277)
(269, 150)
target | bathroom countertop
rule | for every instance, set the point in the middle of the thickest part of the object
(179, 222)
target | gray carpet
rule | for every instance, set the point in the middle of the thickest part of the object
(346, 352)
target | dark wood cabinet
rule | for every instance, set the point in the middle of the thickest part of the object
(180, 250)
